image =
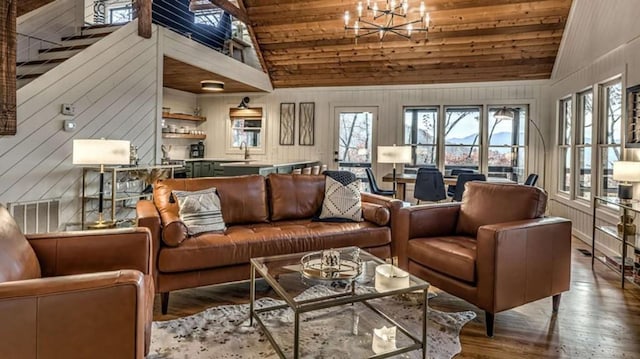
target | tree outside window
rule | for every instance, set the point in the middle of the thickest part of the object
(462, 138)
(564, 141)
(610, 135)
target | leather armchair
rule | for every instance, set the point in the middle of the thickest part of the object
(495, 250)
(85, 294)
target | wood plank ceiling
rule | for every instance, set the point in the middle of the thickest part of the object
(304, 43)
(25, 6)
(181, 76)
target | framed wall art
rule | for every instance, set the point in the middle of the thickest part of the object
(287, 123)
(306, 133)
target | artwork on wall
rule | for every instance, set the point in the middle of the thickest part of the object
(307, 120)
(287, 123)
(633, 117)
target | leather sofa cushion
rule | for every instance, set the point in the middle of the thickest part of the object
(241, 243)
(454, 256)
(243, 198)
(486, 203)
(18, 261)
(295, 196)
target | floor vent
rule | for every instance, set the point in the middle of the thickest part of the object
(36, 217)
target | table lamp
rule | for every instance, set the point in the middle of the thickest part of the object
(101, 152)
(626, 172)
(394, 154)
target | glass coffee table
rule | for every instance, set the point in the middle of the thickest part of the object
(285, 275)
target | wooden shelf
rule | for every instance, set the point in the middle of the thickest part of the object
(184, 135)
(183, 116)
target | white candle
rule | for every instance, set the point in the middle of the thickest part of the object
(389, 277)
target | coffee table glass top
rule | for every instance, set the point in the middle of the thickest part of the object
(283, 273)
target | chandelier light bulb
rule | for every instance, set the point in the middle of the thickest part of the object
(422, 9)
(381, 34)
(375, 7)
(346, 18)
(360, 9)
(409, 29)
(427, 19)
(356, 27)
(393, 5)
(405, 6)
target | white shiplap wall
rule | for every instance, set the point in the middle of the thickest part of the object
(600, 43)
(113, 85)
(50, 22)
(179, 102)
(389, 100)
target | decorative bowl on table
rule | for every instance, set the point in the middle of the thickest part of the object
(331, 265)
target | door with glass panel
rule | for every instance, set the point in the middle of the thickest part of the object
(506, 150)
(355, 140)
(462, 139)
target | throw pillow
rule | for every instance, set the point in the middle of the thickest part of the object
(200, 211)
(341, 201)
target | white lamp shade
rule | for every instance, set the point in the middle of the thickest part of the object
(394, 154)
(626, 171)
(101, 152)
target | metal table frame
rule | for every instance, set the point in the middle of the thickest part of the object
(300, 307)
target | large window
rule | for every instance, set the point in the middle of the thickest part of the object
(506, 152)
(462, 137)
(421, 132)
(246, 128)
(610, 135)
(122, 14)
(583, 143)
(209, 17)
(564, 144)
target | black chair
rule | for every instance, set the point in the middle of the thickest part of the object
(429, 185)
(464, 178)
(531, 180)
(451, 189)
(373, 185)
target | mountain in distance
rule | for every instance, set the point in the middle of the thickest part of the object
(498, 139)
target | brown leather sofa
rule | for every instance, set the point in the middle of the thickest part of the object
(495, 250)
(74, 294)
(264, 217)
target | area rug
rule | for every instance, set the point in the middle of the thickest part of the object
(340, 332)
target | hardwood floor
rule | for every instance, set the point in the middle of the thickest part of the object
(597, 319)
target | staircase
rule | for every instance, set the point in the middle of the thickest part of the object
(53, 56)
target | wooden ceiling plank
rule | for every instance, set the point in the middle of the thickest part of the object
(232, 9)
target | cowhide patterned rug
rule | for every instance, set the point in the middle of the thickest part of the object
(340, 332)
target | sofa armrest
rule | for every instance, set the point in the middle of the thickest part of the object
(74, 316)
(393, 205)
(519, 262)
(427, 220)
(376, 213)
(149, 217)
(79, 252)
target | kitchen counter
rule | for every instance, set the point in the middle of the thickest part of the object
(255, 163)
(219, 159)
(263, 168)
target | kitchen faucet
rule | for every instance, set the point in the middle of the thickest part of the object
(246, 149)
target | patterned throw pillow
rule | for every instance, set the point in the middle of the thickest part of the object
(341, 201)
(200, 211)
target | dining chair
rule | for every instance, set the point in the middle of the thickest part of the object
(451, 189)
(373, 185)
(531, 180)
(429, 186)
(463, 178)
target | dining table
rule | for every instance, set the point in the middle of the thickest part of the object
(402, 179)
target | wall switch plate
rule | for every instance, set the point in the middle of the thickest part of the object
(68, 109)
(70, 125)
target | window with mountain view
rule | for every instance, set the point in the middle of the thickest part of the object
(462, 137)
(583, 143)
(610, 135)
(564, 144)
(506, 152)
(421, 133)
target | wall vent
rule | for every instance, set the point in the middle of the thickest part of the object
(38, 216)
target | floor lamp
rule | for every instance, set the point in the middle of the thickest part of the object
(508, 114)
(101, 152)
(394, 154)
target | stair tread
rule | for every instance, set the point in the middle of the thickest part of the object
(39, 62)
(81, 37)
(100, 26)
(29, 76)
(64, 48)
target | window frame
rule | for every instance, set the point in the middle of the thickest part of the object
(414, 134)
(579, 143)
(603, 132)
(565, 146)
(480, 144)
(515, 148)
(230, 149)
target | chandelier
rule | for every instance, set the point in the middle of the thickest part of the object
(390, 18)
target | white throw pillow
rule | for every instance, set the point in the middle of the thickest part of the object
(341, 201)
(200, 211)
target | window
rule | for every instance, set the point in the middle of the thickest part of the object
(462, 137)
(246, 127)
(610, 135)
(209, 17)
(506, 153)
(421, 133)
(564, 144)
(120, 14)
(583, 144)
